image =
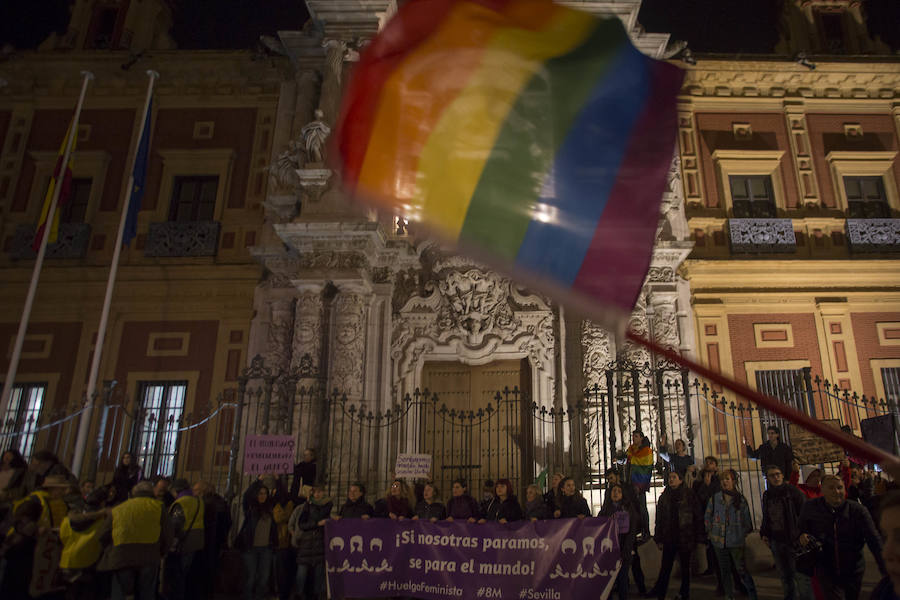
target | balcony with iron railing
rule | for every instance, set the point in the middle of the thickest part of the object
(173, 239)
(71, 242)
(873, 235)
(762, 235)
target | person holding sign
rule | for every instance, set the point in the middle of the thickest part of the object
(503, 507)
(428, 507)
(397, 502)
(571, 503)
(622, 507)
(461, 505)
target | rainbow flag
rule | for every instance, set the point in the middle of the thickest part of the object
(532, 135)
(640, 461)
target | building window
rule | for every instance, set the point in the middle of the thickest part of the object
(832, 31)
(866, 198)
(787, 386)
(103, 27)
(162, 404)
(22, 414)
(752, 197)
(75, 210)
(193, 198)
(890, 376)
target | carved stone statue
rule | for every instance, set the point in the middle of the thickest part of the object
(314, 135)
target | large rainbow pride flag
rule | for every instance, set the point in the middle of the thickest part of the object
(534, 135)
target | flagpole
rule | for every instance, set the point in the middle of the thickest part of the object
(84, 426)
(8, 384)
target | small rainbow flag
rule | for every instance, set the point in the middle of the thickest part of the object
(640, 462)
(530, 134)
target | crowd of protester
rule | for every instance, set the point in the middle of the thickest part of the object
(161, 538)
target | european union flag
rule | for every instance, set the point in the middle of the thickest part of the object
(140, 179)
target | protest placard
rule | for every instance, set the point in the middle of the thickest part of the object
(552, 560)
(413, 466)
(268, 454)
(810, 449)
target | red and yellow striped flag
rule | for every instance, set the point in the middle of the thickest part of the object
(64, 193)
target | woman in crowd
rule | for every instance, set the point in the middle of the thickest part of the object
(536, 507)
(504, 507)
(639, 457)
(257, 540)
(429, 508)
(356, 506)
(551, 498)
(623, 508)
(304, 473)
(125, 477)
(397, 502)
(679, 527)
(308, 531)
(727, 523)
(461, 505)
(571, 503)
(285, 561)
(679, 460)
(12, 479)
(812, 487)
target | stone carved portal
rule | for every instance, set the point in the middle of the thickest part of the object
(468, 314)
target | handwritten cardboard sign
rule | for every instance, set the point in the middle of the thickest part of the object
(413, 466)
(268, 454)
(810, 449)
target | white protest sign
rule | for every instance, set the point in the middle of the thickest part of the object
(268, 454)
(413, 466)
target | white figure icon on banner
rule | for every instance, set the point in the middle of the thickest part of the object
(375, 543)
(606, 545)
(336, 542)
(569, 546)
(587, 546)
(356, 544)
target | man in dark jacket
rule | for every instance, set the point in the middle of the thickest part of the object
(842, 528)
(216, 524)
(705, 487)
(781, 505)
(773, 452)
(307, 526)
(679, 526)
(356, 506)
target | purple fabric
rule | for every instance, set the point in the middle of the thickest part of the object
(530, 560)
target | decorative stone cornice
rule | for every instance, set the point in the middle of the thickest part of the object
(780, 79)
(182, 73)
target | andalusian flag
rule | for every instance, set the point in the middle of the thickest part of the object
(64, 193)
(532, 135)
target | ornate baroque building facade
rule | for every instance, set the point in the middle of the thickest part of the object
(247, 246)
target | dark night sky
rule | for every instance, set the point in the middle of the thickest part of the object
(722, 26)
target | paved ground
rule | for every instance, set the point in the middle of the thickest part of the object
(762, 568)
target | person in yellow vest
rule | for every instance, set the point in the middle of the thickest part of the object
(80, 534)
(186, 515)
(141, 533)
(46, 502)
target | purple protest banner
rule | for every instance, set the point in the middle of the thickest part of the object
(528, 560)
(268, 454)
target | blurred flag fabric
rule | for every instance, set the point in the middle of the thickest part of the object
(533, 136)
(139, 175)
(64, 193)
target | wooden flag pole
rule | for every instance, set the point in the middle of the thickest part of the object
(854, 445)
(84, 425)
(10, 381)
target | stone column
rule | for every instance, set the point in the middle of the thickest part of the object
(330, 100)
(306, 410)
(273, 412)
(347, 352)
(307, 83)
